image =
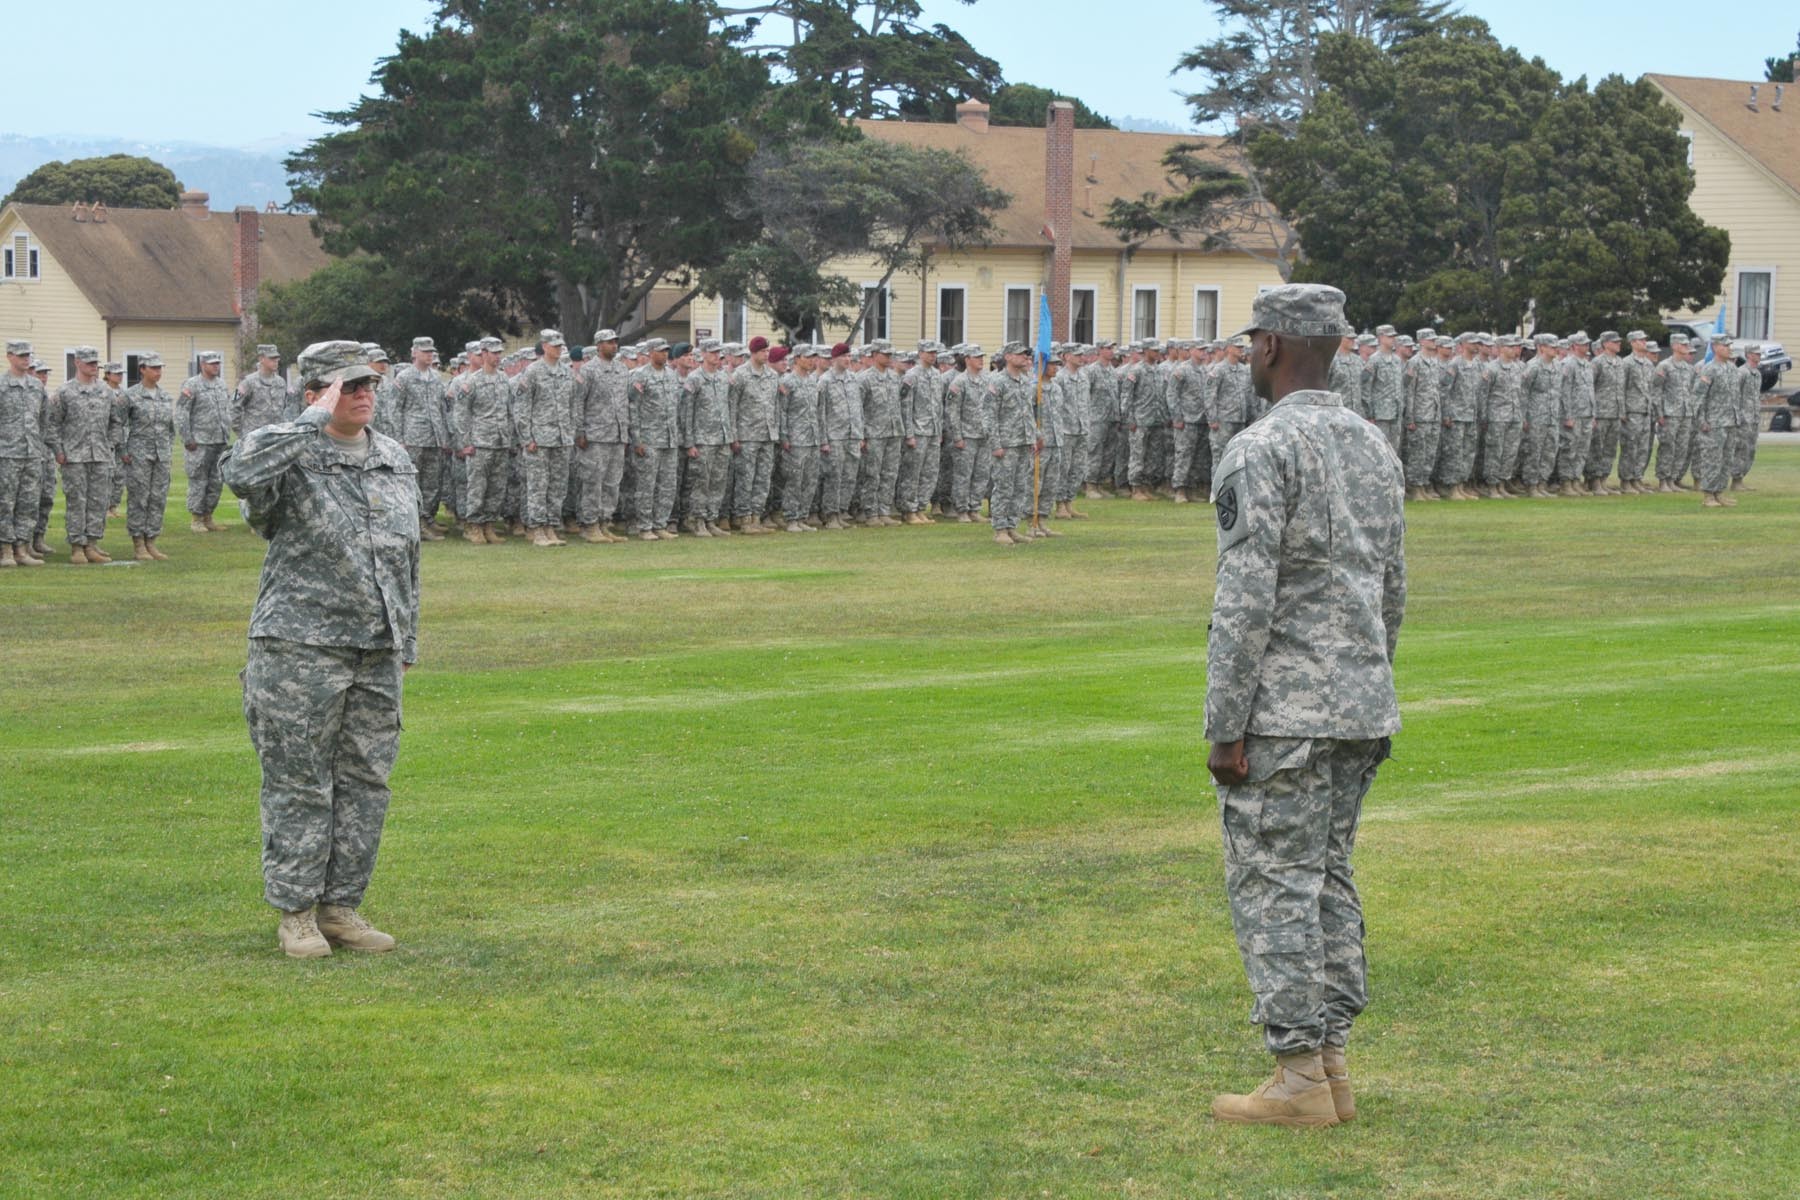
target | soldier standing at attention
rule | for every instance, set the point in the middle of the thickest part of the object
(1300, 700)
(1386, 386)
(1076, 427)
(600, 440)
(1419, 442)
(1013, 395)
(1636, 423)
(84, 427)
(882, 430)
(1543, 399)
(262, 396)
(1675, 416)
(1749, 418)
(922, 410)
(1233, 405)
(1346, 371)
(800, 438)
(483, 423)
(1505, 421)
(1715, 407)
(333, 632)
(203, 415)
(418, 395)
(149, 449)
(22, 412)
(706, 437)
(968, 429)
(1104, 422)
(112, 374)
(655, 434)
(755, 435)
(1609, 411)
(840, 413)
(546, 421)
(385, 421)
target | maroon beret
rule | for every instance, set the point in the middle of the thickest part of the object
(840, 350)
(759, 342)
(778, 354)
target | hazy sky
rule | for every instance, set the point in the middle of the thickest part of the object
(300, 59)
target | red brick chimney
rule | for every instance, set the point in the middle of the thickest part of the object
(1059, 209)
(246, 263)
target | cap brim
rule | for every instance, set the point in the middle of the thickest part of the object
(1246, 331)
(352, 374)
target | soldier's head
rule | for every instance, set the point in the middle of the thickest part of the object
(1016, 356)
(928, 352)
(840, 357)
(112, 373)
(1752, 354)
(1347, 344)
(150, 369)
(1578, 344)
(1640, 341)
(378, 358)
(1384, 337)
(658, 349)
(1294, 331)
(424, 353)
(1609, 344)
(551, 342)
(87, 363)
(268, 358)
(41, 370)
(1107, 351)
(759, 350)
(346, 367)
(211, 363)
(606, 342)
(18, 356)
(712, 354)
(975, 358)
(881, 353)
(488, 352)
(781, 358)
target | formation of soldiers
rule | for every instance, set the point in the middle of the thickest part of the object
(652, 440)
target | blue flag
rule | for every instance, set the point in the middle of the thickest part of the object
(1043, 341)
(1718, 328)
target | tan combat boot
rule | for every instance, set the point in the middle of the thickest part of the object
(1727, 501)
(472, 533)
(429, 532)
(78, 555)
(1296, 1095)
(299, 936)
(1181, 496)
(593, 533)
(1337, 1074)
(140, 551)
(648, 535)
(1002, 538)
(491, 535)
(1712, 501)
(39, 548)
(96, 554)
(24, 556)
(158, 555)
(344, 926)
(6, 556)
(698, 529)
(717, 529)
(197, 525)
(212, 526)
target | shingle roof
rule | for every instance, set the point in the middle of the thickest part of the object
(143, 264)
(1769, 138)
(1110, 164)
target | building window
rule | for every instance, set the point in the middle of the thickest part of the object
(1084, 303)
(1143, 312)
(1206, 313)
(732, 319)
(1687, 135)
(1018, 315)
(1754, 292)
(21, 258)
(875, 321)
(68, 364)
(953, 307)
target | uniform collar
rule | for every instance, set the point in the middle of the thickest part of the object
(1319, 399)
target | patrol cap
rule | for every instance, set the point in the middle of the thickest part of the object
(1651, 345)
(551, 337)
(710, 345)
(205, 356)
(1467, 339)
(1106, 344)
(1544, 339)
(1508, 340)
(679, 349)
(324, 363)
(1637, 335)
(1362, 339)
(493, 344)
(736, 348)
(880, 346)
(1014, 348)
(1578, 338)
(269, 350)
(1678, 339)
(1427, 334)
(1486, 339)
(605, 335)
(39, 366)
(1747, 349)
(376, 353)
(1300, 310)
(1721, 339)
(149, 358)
(972, 350)
(651, 345)
(112, 368)
(1384, 331)
(89, 354)
(930, 346)
(1404, 339)
(1611, 335)
(18, 347)
(419, 343)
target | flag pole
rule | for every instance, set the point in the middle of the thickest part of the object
(1037, 448)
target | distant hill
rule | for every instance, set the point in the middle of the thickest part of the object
(230, 176)
(1152, 125)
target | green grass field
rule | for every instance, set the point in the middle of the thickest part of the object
(885, 864)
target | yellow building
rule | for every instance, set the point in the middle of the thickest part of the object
(1050, 238)
(1744, 147)
(128, 281)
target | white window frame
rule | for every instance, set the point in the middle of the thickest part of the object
(1093, 309)
(1154, 289)
(885, 310)
(1218, 295)
(33, 259)
(1687, 135)
(952, 287)
(1737, 293)
(68, 363)
(1030, 290)
(743, 309)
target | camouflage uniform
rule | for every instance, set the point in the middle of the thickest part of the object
(1637, 404)
(418, 400)
(706, 437)
(971, 423)
(1187, 415)
(1013, 399)
(1306, 616)
(756, 417)
(1578, 419)
(1143, 394)
(1675, 419)
(1104, 423)
(1458, 401)
(335, 622)
(262, 399)
(655, 434)
(1609, 411)
(150, 444)
(546, 419)
(203, 420)
(801, 429)
(1543, 400)
(483, 424)
(1075, 427)
(1419, 442)
(23, 406)
(840, 411)
(85, 428)
(1505, 423)
(882, 429)
(1749, 426)
(1386, 394)
(605, 423)
(1233, 407)
(1716, 407)
(922, 415)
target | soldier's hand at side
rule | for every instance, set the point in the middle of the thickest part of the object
(787, 445)
(581, 441)
(825, 449)
(960, 445)
(466, 452)
(531, 447)
(737, 447)
(693, 452)
(642, 451)
(999, 451)
(62, 460)
(1227, 763)
(191, 446)
(126, 459)
(912, 443)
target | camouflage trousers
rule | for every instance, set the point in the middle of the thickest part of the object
(204, 484)
(1537, 452)
(1103, 454)
(1011, 498)
(1048, 468)
(325, 721)
(1674, 448)
(546, 485)
(1418, 452)
(1500, 451)
(1071, 466)
(1141, 471)
(1391, 429)
(1635, 437)
(880, 476)
(968, 486)
(1289, 830)
(703, 491)
(1187, 453)
(46, 496)
(754, 473)
(1712, 471)
(149, 496)
(429, 462)
(87, 490)
(837, 477)
(599, 467)
(1572, 448)
(799, 481)
(18, 499)
(484, 499)
(1452, 466)
(946, 471)
(1743, 446)
(918, 474)
(119, 474)
(1603, 449)
(655, 492)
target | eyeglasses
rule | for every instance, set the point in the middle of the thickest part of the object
(359, 385)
